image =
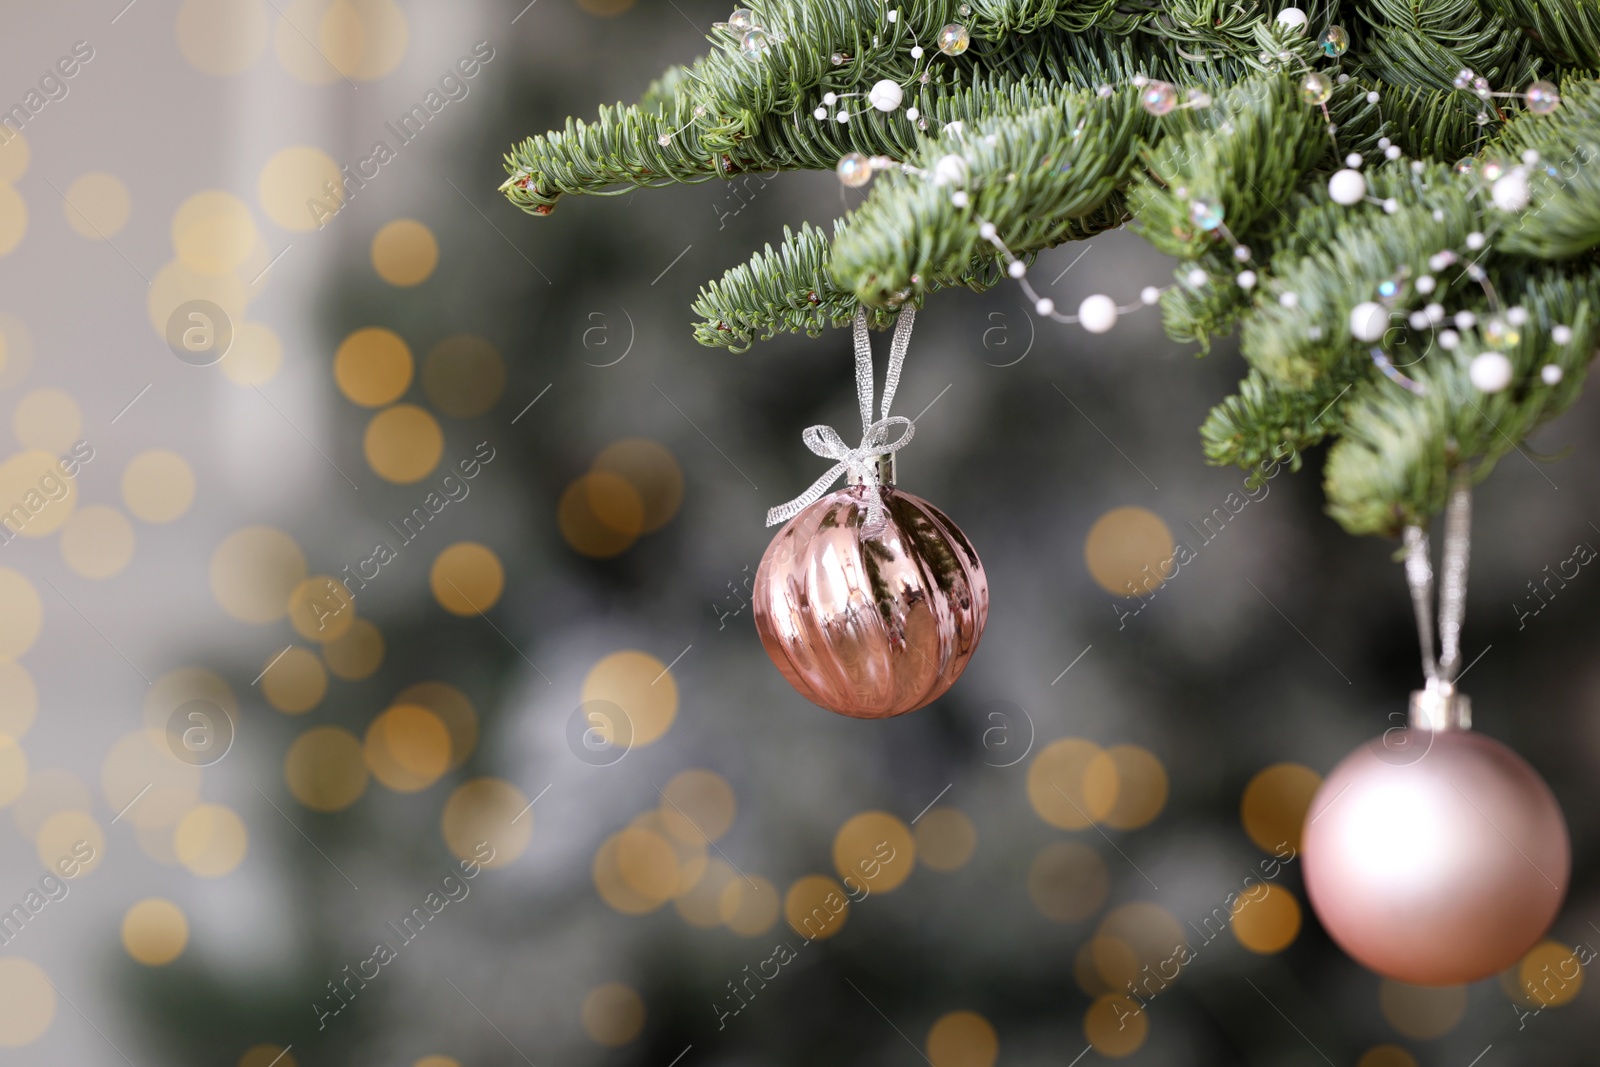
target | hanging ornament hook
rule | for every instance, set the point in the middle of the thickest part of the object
(870, 464)
(1439, 706)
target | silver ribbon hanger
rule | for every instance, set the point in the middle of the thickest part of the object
(1441, 672)
(860, 464)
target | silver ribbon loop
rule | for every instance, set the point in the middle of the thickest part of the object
(860, 464)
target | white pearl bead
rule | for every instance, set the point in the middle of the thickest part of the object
(959, 198)
(1150, 295)
(1449, 339)
(1368, 321)
(1517, 315)
(1561, 335)
(1017, 268)
(916, 51)
(950, 170)
(1347, 187)
(1246, 279)
(1289, 299)
(821, 113)
(913, 114)
(1293, 18)
(1490, 372)
(1551, 374)
(1097, 313)
(1425, 284)
(1510, 191)
(986, 230)
(1197, 277)
(1045, 306)
(1353, 159)
(886, 95)
(1474, 240)
(830, 99)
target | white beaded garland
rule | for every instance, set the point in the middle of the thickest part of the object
(821, 114)
(1517, 315)
(1289, 299)
(1425, 284)
(886, 95)
(1474, 240)
(1045, 306)
(959, 198)
(1368, 321)
(1490, 372)
(916, 51)
(1510, 191)
(1293, 18)
(1347, 187)
(950, 170)
(1149, 295)
(1017, 268)
(1353, 159)
(1551, 374)
(1561, 335)
(913, 114)
(1197, 277)
(830, 99)
(1246, 279)
(987, 231)
(1465, 320)
(1097, 313)
(1448, 339)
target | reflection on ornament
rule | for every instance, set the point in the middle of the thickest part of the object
(1316, 88)
(1463, 78)
(1205, 214)
(1158, 98)
(1334, 41)
(1543, 98)
(755, 43)
(1436, 858)
(855, 170)
(953, 39)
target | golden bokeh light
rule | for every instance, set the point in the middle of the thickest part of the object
(177, 283)
(16, 341)
(463, 375)
(158, 485)
(1266, 919)
(21, 614)
(176, 688)
(267, 1056)
(467, 578)
(373, 367)
(253, 572)
(213, 232)
(407, 748)
(600, 515)
(155, 931)
(436, 1061)
(962, 1039)
(157, 843)
(357, 654)
(612, 1015)
(405, 253)
(321, 609)
(613, 888)
(293, 181)
(19, 700)
(1125, 550)
(946, 839)
(453, 709)
(27, 1002)
(1275, 804)
(749, 906)
(210, 841)
(1068, 881)
(324, 769)
(697, 806)
(97, 205)
(14, 156)
(13, 769)
(487, 812)
(222, 37)
(648, 864)
(70, 843)
(47, 792)
(1386, 1056)
(1059, 784)
(97, 542)
(294, 681)
(701, 904)
(816, 907)
(145, 782)
(605, 9)
(1422, 1012)
(641, 686)
(1115, 1025)
(1549, 976)
(13, 219)
(1137, 781)
(37, 495)
(403, 443)
(320, 42)
(876, 850)
(47, 420)
(653, 472)
(1137, 936)
(255, 355)
(1086, 971)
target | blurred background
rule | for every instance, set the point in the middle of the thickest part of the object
(228, 782)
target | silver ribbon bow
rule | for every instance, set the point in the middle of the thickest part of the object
(860, 464)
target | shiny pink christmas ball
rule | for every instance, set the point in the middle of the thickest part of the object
(1438, 860)
(870, 624)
